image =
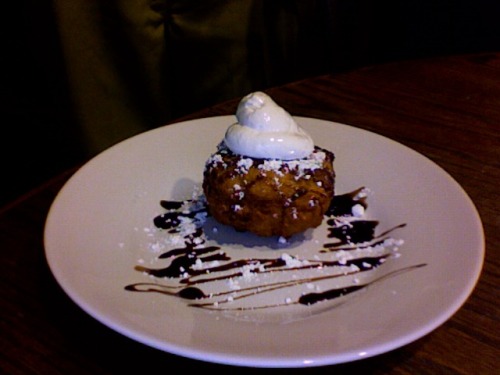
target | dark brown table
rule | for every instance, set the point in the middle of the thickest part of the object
(445, 108)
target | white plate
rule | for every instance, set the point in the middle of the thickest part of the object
(95, 236)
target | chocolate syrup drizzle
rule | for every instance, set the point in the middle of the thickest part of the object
(217, 265)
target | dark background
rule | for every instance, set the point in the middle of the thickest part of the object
(35, 109)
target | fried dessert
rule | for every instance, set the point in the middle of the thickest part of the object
(267, 176)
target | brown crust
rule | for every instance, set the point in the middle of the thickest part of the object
(280, 201)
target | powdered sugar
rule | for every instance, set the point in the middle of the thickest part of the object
(230, 281)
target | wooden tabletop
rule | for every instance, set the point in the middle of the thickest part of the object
(448, 109)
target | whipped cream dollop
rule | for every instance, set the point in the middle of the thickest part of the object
(265, 130)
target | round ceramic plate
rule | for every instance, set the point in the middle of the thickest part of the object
(100, 239)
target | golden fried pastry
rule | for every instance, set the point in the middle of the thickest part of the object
(269, 197)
